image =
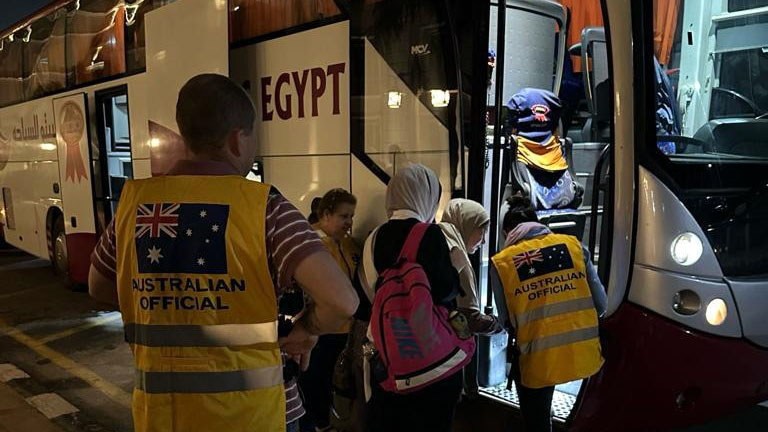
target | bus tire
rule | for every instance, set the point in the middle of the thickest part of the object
(60, 257)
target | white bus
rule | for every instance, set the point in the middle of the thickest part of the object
(346, 91)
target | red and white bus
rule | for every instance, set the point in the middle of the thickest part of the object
(665, 125)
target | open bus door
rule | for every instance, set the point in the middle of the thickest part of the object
(113, 132)
(529, 52)
(676, 233)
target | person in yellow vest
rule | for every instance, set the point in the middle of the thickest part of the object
(550, 297)
(196, 260)
(333, 215)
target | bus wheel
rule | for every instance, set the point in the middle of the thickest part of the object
(60, 260)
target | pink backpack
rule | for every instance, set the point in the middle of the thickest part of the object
(415, 341)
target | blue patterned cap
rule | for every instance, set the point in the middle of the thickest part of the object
(535, 113)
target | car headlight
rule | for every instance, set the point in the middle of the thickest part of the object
(686, 249)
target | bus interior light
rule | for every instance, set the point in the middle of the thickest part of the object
(716, 312)
(440, 98)
(686, 249)
(394, 99)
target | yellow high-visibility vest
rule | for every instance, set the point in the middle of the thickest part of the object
(551, 307)
(345, 252)
(199, 305)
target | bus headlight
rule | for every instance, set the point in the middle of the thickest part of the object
(686, 249)
(717, 311)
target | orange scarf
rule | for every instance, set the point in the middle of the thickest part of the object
(547, 156)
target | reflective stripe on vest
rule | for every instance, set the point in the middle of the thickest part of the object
(559, 340)
(208, 382)
(551, 310)
(220, 335)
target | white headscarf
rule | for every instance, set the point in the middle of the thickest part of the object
(461, 218)
(413, 192)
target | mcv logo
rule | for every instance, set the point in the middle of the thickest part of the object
(420, 49)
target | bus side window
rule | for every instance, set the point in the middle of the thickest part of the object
(11, 83)
(43, 59)
(249, 19)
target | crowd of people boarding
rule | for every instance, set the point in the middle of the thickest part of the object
(316, 332)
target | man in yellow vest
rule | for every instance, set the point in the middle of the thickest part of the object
(550, 297)
(196, 260)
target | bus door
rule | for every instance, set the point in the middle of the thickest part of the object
(113, 132)
(685, 340)
(531, 53)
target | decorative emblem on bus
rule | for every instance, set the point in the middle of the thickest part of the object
(72, 128)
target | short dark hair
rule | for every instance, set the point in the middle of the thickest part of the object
(208, 108)
(520, 210)
(313, 217)
(329, 203)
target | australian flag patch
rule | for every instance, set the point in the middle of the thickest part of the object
(538, 262)
(181, 238)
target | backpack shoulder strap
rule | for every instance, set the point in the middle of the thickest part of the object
(367, 270)
(412, 242)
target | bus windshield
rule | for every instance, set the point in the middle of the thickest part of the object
(711, 93)
(711, 141)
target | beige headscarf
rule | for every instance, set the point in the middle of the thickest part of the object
(461, 218)
(413, 192)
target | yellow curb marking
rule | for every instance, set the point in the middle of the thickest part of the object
(108, 318)
(112, 391)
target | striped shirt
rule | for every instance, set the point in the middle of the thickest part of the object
(289, 239)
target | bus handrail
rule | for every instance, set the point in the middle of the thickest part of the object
(596, 181)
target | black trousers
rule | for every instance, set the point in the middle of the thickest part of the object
(430, 409)
(535, 404)
(316, 382)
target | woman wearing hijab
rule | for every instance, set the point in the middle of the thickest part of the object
(465, 224)
(412, 197)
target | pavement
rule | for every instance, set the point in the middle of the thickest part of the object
(19, 415)
(64, 365)
(61, 351)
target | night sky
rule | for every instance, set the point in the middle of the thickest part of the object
(13, 10)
